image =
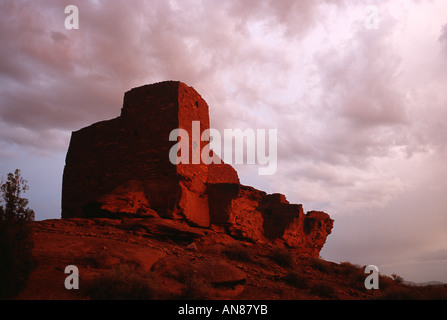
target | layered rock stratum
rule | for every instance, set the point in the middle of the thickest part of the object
(121, 168)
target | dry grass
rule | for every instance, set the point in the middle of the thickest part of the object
(322, 289)
(321, 265)
(195, 289)
(353, 275)
(123, 282)
(297, 279)
(238, 253)
(405, 292)
(282, 257)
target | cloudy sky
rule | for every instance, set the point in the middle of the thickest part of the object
(360, 111)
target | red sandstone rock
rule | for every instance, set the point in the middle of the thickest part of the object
(159, 249)
(245, 219)
(218, 273)
(251, 214)
(121, 167)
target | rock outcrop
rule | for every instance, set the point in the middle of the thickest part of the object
(121, 167)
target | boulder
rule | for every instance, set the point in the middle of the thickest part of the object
(215, 272)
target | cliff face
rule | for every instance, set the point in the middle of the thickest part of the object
(121, 167)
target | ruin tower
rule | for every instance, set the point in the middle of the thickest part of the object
(122, 166)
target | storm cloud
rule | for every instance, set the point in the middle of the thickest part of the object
(360, 112)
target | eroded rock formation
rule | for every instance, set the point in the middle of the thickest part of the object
(121, 167)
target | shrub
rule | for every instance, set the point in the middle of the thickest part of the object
(321, 265)
(386, 282)
(282, 257)
(401, 293)
(397, 278)
(435, 292)
(297, 280)
(409, 292)
(16, 260)
(347, 268)
(353, 275)
(236, 252)
(16, 243)
(123, 282)
(195, 289)
(322, 289)
(89, 260)
(15, 207)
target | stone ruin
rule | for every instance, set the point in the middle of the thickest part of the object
(121, 167)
